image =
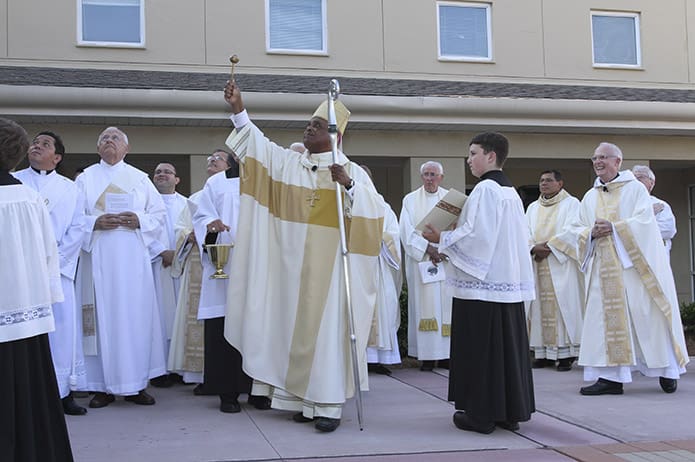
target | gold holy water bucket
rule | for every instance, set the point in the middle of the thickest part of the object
(219, 255)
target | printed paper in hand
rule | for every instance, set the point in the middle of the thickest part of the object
(117, 203)
(429, 272)
(445, 212)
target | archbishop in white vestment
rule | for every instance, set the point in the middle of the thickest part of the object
(555, 316)
(286, 308)
(632, 320)
(429, 305)
(124, 215)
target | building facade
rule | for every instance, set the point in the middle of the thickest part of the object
(420, 77)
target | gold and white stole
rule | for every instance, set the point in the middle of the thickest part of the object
(546, 222)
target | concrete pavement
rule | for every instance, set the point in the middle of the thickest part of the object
(407, 418)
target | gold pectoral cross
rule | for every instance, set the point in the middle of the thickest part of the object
(315, 196)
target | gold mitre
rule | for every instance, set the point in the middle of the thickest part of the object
(342, 114)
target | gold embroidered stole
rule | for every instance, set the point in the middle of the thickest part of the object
(193, 358)
(617, 334)
(546, 222)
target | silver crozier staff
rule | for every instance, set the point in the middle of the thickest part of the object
(333, 93)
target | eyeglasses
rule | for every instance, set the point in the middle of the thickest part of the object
(164, 172)
(216, 157)
(601, 157)
(430, 174)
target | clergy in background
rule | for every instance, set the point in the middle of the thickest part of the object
(32, 424)
(555, 316)
(165, 180)
(662, 211)
(124, 216)
(382, 348)
(286, 309)
(186, 355)
(429, 305)
(490, 276)
(632, 319)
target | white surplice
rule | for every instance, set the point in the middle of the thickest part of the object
(286, 310)
(388, 309)
(555, 316)
(30, 273)
(431, 297)
(218, 200)
(666, 222)
(65, 206)
(632, 319)
(130, 347)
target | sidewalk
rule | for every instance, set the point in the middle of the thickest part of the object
(407, 418)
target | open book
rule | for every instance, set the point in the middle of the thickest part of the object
(445, 212)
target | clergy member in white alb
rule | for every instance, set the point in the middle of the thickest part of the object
(383, 336)
(124, 215)
(662, 211)
(65, 205)
(286, 309)
(429, 306)
(32, 424)
(555, 316)
(632, 319)
(186, 354)
(167, 285)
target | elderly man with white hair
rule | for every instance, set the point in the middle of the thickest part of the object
(662, 211)
(429, 307)
(631, 321)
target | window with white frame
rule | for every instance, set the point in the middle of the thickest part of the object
(464, 31)
(111, 22)
(296, 26)
(616, 39)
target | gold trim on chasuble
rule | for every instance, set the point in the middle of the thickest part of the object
(546, 222)
(193, 358)
(317, 208)
(618, 346)
(650, 283)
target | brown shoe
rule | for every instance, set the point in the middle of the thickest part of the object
(143, 398)
(101, 400)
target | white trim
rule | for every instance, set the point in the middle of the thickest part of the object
(324, 35)
(488, 14)
(638, 37)
(100, 44)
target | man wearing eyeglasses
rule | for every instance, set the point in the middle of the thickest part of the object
(165, 180)
(429, 308)
(632, 320)
(662, 211)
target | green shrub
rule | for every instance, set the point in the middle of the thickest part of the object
(403, 329)
(688, 316)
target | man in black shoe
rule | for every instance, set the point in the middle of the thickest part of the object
(632, 320)
(491, 276)
(555, 316)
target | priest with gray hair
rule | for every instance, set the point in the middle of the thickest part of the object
(662, 211)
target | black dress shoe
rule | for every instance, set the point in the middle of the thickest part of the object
(230, 407)
(299, 418)
(427, 366)
(326, 424)
(668, 385)
(443, 364)
(259, 402)
(602, 387)
(70, 407)
(143, 398)
(510, 425)
(163, 381)
(541, 363)
(101, 400)
(565, 364)
(465, 422)
(378, 369)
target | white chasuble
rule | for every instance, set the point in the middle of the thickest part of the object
(555, 316)
(65, 206)
(130, 342)
(632, 318)
(383, 338)
(429, 305)
(286, 309)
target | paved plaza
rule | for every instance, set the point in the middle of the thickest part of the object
(407, 418)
